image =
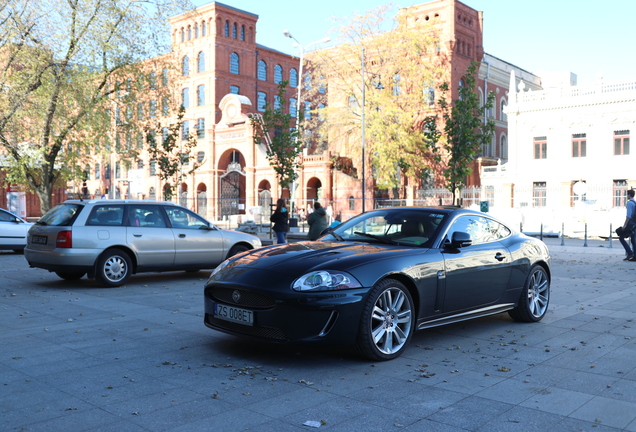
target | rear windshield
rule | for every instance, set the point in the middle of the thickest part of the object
(61, 215)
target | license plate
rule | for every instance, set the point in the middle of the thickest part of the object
(36, 239)
(234, 314)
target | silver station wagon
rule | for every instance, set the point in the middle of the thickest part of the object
(109, 240)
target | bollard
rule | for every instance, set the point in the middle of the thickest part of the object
(562, 234)
(541, 233)
(585, 242)
(610, 237)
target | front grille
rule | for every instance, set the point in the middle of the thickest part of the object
(261, 332)
(247, 299)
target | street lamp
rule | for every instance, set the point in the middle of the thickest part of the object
(299, 86)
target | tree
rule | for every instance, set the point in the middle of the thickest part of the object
(284, 147)
(61, 65)
(401, 64)
(464, 130)
(172, 153)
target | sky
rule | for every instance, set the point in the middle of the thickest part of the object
(586, 37)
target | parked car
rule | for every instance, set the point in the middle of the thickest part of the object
(13, 231)
(112, 239)
(378, 277)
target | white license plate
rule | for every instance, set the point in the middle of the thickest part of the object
(234, 314)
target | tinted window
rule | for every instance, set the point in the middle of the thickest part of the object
(106, 215)
(6, 217)
(481, 229)
(182, 218)
(61, 215)
(146, 216)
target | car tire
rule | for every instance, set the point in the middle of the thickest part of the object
(387, 322)
(18, 251)
(114, 268)
(237, 249)
(534, 298)
(70, 275)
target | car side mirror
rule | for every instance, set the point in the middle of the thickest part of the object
(459, 240)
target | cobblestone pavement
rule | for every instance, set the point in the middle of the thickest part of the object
(77, 357)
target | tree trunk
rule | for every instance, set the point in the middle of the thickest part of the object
(45, 194)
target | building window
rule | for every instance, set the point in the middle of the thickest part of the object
(429, 95)
(165, 108)
(293, 107)
(307, 111)
(196, 30)
(201, 128)
(185, 98)
(502, 107)
(503, 148)
(164, 77)
(185, 66)
(227, 29)
(235, 89)
(200, 157)
(98, 173)
(201, 95)
(153, 168)
(201, 62)
(152, 111)
(185, 130)
(189, 32)
(262, 70)
(578, 192)
(140, 164)
(117, 170)
(182, 34)
(352, 203)
(620, 193)
(540, 147)
(539, 194)
(242, 32)
(293, 77)
(276, 102)
(152, 79)
(234, 63)
(261, 101)
(203, 29)
(235, 31)
(579, 145)
(140, 141)
(278, 74)
(165, 134)
(397, 88)
(107, 171)
(621, 142)
(140, 111)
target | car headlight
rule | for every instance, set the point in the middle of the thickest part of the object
(220, 267)
(325, 280)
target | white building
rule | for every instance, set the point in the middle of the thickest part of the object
(569, 159)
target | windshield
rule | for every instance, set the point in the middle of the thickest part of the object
(60, 215)
(407, 227)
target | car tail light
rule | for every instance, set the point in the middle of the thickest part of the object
(64, 239)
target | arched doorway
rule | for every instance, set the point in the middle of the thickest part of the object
(265, 199)
(232, 184)
(202, 200)
(167, 192)
(314, 190)
(183, 195)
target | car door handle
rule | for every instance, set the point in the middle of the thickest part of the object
(182, 235)
(500, 256)
(136, 235)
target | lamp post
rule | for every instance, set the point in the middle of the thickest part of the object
(298, 101)
(364, 177)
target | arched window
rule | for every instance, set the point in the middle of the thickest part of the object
(234, 63)
(201, 95)
(235, 31)
(182, 34)
(203, 28)
(185, 97)
(262, 70)
(227, 29)
(293, 77)
(185, 66)
(201, 62)
(276, 102)
(502, 106)
(293, 107)
(503, 148)
(201, 128)
(261, 101)
(307, 81)
(196, 30)
(278, 74)
(189, 32)
(242, 32)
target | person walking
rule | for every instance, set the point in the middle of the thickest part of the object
(317, 221)
(628, 228)
(280, 218)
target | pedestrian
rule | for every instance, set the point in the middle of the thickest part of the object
(337, 221)
(628, 228)
(280, 217)
(317, 221)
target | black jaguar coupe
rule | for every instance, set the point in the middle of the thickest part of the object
(376, 278)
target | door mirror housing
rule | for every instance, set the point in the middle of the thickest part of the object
(459, 240)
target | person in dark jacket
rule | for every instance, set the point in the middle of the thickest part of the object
(280, 218)
(317, 221)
